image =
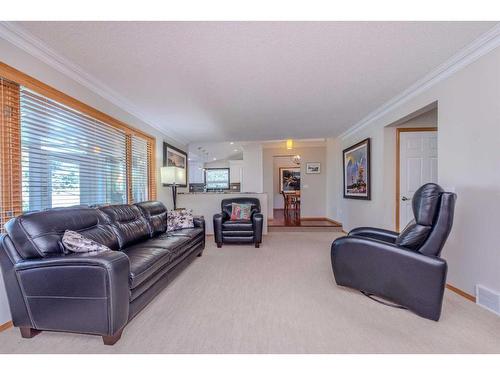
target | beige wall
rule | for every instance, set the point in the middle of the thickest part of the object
(469, 131)
(251, 168)
(313, 186)
(30, 65)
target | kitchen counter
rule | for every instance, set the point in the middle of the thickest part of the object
(208, 204)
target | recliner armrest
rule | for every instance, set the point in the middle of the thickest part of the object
(85, 293)
(375, 233)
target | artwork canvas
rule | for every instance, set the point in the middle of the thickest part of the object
(289, 179)
(357, 171)
(313, 168)
(174, 157)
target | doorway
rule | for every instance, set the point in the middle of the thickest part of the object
(286, 189)
(416, 164)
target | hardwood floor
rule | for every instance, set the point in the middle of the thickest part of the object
(292, 219)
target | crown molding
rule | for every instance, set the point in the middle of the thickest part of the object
(478, 48)
(24, 40)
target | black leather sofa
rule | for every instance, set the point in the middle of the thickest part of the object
(91, 293)
(405, 267)
(238, 231)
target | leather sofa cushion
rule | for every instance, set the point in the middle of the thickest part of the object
(238, 233)
(167, 242)
(237, 225)
(128, 223)
(156, 215)
(413, 236)
(145, 262)
(147, 257)
(39, 234)
(187, 232)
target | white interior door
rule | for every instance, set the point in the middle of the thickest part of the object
(418, 165)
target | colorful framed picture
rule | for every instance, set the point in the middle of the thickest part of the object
(174, 157)
(357, 171)
(289, 179)
(313, 168)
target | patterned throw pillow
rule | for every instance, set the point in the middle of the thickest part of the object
(240, 211)
(179, 219)
(74, 242)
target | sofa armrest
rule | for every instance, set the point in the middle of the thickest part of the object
(84, 293)
(217, 221)
(404, 276)
(199, 222)
(258, 223)
(375, 233)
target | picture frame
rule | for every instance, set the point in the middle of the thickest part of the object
(175, 157)
(313, 168)
(289, 179)
(357, 171)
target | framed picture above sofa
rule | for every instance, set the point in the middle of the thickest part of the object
(356, 161)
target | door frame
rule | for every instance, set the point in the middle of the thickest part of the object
(398, 161)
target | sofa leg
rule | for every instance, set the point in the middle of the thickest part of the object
(112, 340)
(28, 332)
(200, 254)
(219, 245)
(257, 245)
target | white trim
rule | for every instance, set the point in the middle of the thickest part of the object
(38, 49)
(479, 47)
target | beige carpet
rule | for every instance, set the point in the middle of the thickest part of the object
(280, 298)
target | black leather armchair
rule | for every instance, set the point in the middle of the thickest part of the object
(405, 267)
(238, 231)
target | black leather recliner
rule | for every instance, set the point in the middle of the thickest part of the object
(238, 231)
(92, 293)
(405, 267)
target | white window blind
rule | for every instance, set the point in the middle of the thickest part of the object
(140, 168)
(68, 158)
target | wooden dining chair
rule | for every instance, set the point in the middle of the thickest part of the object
(286, 201)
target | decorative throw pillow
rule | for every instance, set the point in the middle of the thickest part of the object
(241, 211)
(76, 243)
(179, 219)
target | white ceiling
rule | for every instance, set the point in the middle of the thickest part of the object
(233, 150)
(243, 81)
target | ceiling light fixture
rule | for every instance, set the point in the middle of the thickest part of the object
(289, 144)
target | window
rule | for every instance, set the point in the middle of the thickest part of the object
(140, 170)
(68, 158)
(217, 178)
(56, 151)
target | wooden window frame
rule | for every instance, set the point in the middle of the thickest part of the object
(10, 156)
(11, 176)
